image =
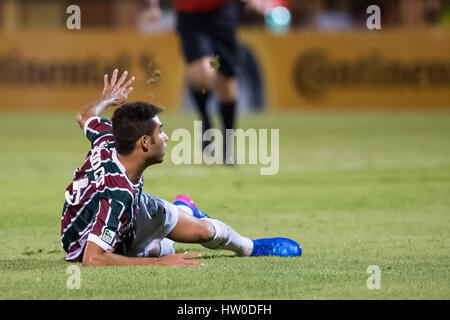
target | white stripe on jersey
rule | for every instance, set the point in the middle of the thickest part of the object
(102, 244)
(120, 216)
(76, 253)
(92, 131)
(86, 124)
(105, 135)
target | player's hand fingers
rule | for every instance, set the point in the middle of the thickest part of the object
(105, 80)
(180, 260)
(185, 256)
(128, 91)
(122, 96)
(122, 78)
(128, 83)
(114, 77)
(191, 256)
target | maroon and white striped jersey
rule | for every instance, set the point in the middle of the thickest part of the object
(101, 202)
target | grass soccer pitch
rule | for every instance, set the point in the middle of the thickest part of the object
(354, 189)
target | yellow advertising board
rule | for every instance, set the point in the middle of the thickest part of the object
(300, 70)
(355, 70)
(63, 70)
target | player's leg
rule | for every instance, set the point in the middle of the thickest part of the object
(195, 226)
(210, 233)
(197, 49)
(159, 223)
(226, 88)
(226, 47)
(201, 78)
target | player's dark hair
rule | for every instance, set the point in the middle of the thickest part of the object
(130, 122)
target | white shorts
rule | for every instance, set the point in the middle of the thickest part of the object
(155, 219)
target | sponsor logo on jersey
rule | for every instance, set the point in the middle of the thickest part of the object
(108, 236)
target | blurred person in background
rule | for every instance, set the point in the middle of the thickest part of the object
(333, 17)
(207, 31)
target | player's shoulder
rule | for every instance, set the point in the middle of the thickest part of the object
(111, 176)
(97, 124)
(98, 130)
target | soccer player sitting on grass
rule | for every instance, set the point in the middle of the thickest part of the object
(108, 220)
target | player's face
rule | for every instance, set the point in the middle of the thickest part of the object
(160, 140)
(158, 148)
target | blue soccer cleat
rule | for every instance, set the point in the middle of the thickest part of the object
(281, 247)
(184, 200)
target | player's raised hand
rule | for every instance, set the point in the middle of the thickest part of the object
(180, 260)
(116, 91)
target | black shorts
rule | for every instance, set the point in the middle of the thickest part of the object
(211, 33)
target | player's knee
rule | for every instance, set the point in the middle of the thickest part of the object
(201, 80)
(200, 75)
(205, 231)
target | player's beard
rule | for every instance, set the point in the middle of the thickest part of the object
(156, 158)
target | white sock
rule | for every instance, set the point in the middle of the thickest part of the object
(228, 239)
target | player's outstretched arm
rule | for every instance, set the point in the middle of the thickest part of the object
(94, 255)
(115, 92)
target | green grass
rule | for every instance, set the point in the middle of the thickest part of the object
(355, 189)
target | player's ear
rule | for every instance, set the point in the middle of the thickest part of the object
(145, 143)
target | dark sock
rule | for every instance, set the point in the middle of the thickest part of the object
(201, 101)
(227, 113)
